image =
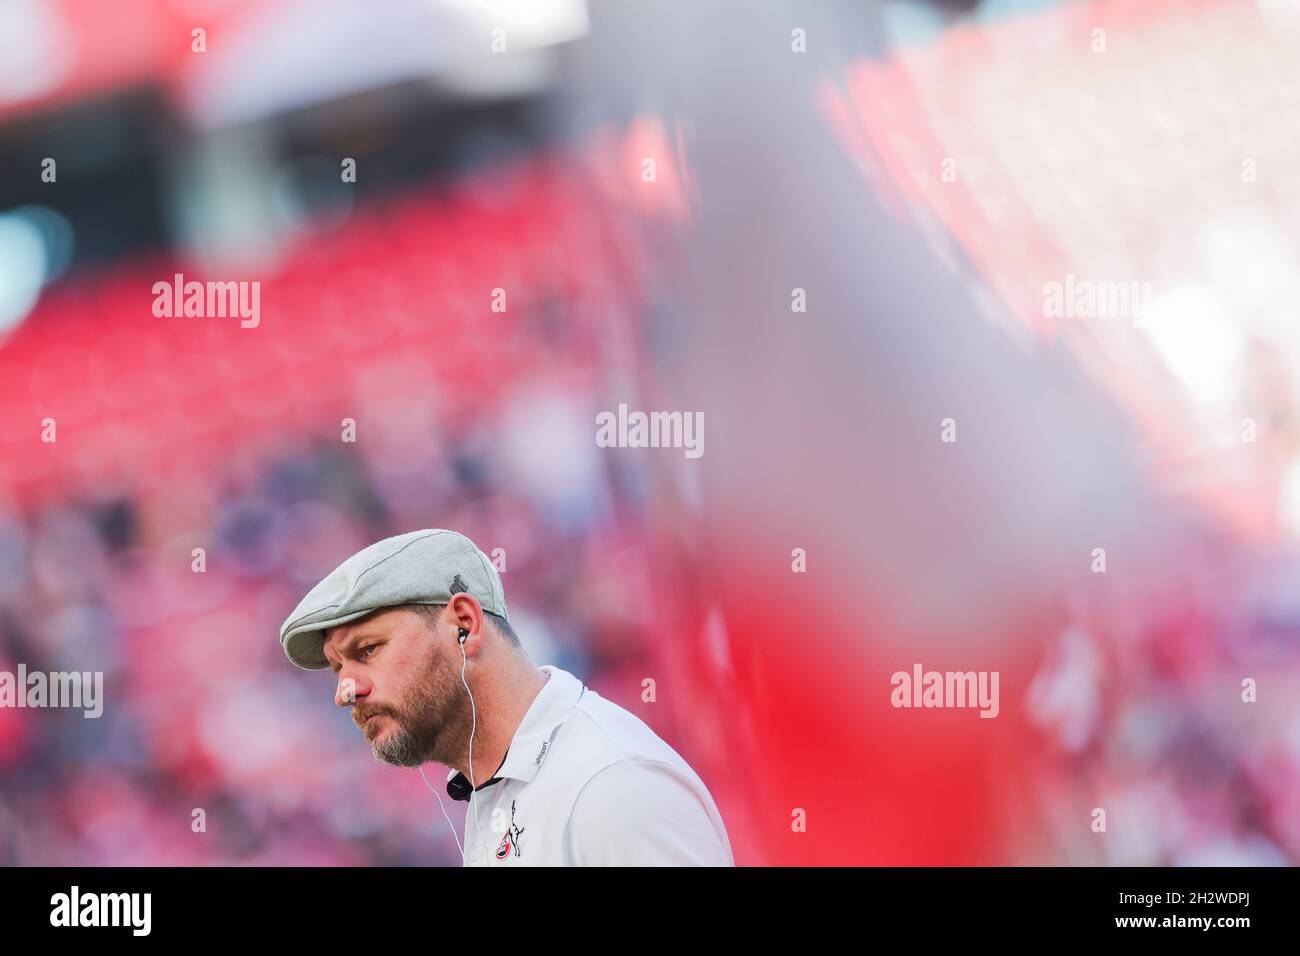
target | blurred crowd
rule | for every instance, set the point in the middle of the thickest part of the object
(202, 710)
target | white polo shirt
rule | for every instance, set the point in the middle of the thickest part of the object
(586, 783)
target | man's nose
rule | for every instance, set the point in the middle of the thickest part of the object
(350, 690)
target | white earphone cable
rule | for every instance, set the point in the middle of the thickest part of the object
(473, 805)
(473, 784)
(450, 825)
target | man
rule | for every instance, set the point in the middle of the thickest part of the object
(415, 627)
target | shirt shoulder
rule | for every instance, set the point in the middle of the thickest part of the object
(612, 733)
(641, 811)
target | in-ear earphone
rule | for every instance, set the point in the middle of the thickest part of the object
(463, 634)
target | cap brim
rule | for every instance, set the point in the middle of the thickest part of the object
(304, 645)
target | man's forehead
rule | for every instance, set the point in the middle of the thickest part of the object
(339, 632)
(342, 633)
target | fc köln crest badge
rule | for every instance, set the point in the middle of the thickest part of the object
(511, 840)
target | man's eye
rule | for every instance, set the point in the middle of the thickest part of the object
(368, 647)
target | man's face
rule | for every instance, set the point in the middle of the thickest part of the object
(401, 686)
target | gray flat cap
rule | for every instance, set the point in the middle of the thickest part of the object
(420, 567)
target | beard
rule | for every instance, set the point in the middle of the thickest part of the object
(425, 720)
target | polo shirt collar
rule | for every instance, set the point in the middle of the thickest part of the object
(532, 740)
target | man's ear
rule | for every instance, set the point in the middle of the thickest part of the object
(465, 611)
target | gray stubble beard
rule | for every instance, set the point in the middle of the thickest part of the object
(437, 711)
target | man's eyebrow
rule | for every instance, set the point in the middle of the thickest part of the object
(350, 643)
